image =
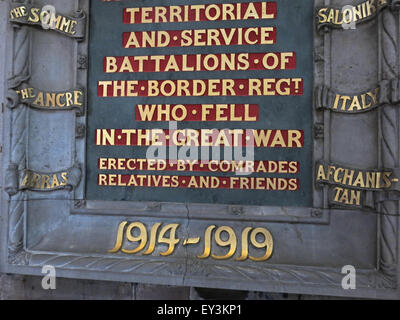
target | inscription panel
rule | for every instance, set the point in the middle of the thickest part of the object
(201, 102)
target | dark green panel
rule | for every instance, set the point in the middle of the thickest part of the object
(294, 25)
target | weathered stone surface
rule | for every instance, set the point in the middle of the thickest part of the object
(15, 287)
(153, 292)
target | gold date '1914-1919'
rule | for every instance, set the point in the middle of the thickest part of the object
(129, 234)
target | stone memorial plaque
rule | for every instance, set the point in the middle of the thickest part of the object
(236, 144)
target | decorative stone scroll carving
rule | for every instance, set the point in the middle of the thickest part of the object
(49, 19)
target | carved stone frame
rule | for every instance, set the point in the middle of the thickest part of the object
(20, 256)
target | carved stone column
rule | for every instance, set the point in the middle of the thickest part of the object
(18, 143)
(389, 147)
